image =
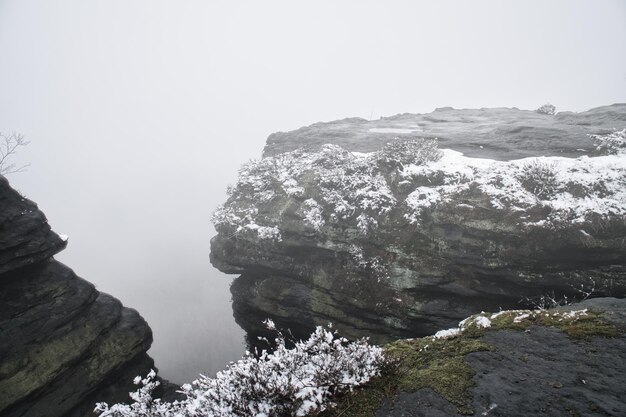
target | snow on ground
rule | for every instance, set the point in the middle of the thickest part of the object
(481, 321)
(578, 187)
(332, 184)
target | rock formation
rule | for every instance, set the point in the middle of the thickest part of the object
(386, 232)
(63, 344)
(567, 361)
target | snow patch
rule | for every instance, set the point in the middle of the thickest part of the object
(399, 130)
(445, 334)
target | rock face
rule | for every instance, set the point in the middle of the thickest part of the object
(501, 134)
(539, 371)
(387, 233)
(63, 344)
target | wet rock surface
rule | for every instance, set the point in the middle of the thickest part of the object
(502, 133)
(540, 371)
(25, 236)
(322, 233)
(63, 344)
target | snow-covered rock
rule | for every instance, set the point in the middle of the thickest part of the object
(397, 235)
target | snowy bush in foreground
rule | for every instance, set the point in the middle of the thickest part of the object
(287, 382)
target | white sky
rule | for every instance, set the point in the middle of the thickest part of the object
(139, 112)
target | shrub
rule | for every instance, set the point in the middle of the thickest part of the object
(610, 144)
(547, 108)
(287, 382)
(539, 178)
(400, 152)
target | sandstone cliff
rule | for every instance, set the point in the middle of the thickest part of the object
(63, 344)
(387, 232)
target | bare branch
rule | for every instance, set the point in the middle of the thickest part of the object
(8, 147)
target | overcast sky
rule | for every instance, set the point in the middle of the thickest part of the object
(140, 112)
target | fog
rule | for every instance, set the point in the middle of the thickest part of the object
(140, 112)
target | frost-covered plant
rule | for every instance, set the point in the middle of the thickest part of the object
(313, 214)
(611, 144)
(345, 186)
(287, 382)
(331, 185)
(547, 108)
(365, 223)
(403, 151)
(373, 265)
(143, 404)
(551, 300)
(540, 178)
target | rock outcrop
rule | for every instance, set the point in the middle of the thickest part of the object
(63, 344)
(565, 362)
(380, 229)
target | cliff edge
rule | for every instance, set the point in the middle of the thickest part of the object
(568, 361)
(63, 344)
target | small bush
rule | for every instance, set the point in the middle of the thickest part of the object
(547, 108)
(287, 382)
(610, 144)
(539, 178)
(400, 152)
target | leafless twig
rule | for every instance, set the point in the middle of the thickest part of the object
(8, 146)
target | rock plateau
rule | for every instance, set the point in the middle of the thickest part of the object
(387, 232)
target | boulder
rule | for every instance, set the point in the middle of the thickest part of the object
(387, 232)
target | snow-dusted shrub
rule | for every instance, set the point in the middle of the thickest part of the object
(611, 144)
(313, 214)
(401, 152)
(547, 109)
(287, 382)
(373, 265)
(331, 186)
(540, 178)
(365, 223)
(580, 292)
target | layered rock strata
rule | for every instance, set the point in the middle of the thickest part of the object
(63, 344)
(387, 232)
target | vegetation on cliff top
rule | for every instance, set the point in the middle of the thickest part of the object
(320, 376)
(437, 362)
(286, 382)
(331, 185)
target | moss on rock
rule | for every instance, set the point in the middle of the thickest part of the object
(439, 363)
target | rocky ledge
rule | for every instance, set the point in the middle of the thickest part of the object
(568, 361)
(402, 226)
(63, 344)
